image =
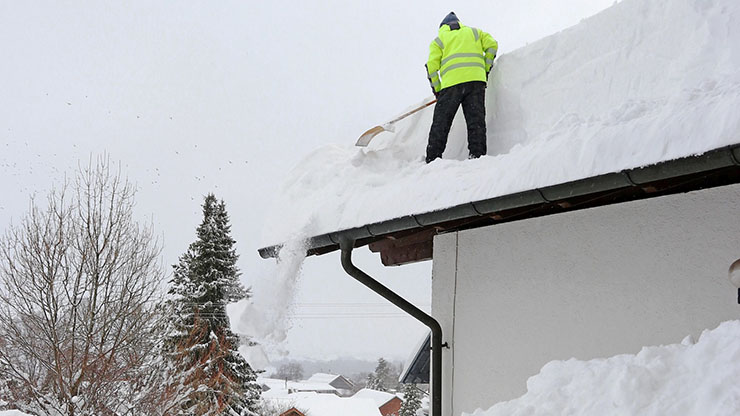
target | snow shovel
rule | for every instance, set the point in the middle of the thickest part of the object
(364, 140)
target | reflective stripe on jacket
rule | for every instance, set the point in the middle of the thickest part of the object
(460, 55)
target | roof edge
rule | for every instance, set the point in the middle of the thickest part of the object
(713, 160)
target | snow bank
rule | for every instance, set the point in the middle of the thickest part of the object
(682, 379)
(639, 83)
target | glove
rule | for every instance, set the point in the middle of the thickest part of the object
(435, 92)
(489, 71)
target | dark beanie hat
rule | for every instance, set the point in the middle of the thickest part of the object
(450, 18)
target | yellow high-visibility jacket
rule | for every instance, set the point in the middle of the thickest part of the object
(461, 55)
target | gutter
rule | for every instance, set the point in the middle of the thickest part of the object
(639, 183)
(347, 244)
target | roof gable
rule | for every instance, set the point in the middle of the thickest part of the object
(417, 367)
(337, 381)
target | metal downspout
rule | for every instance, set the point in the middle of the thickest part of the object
(347, 245)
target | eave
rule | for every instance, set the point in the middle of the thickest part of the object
(409, 239)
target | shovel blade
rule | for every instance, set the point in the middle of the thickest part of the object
(364, 140)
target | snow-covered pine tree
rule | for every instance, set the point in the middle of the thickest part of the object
(206, 279)
(411, 400)
(371, 382)
(377, 381)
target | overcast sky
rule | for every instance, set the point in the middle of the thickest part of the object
(225, 97)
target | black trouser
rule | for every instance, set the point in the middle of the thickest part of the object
(472, 97)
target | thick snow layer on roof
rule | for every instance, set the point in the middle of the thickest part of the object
(378, 397)
(682, 379)
(330, 405)
(13, 413)
(639, 83)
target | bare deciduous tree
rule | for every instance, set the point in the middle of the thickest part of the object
(78, 282)
(290, 371)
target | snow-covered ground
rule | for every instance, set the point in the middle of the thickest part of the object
(684, 379)
(639, 83)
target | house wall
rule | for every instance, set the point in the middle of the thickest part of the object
(584, 284)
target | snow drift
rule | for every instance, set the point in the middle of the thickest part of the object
(683, 379)
(639, 83)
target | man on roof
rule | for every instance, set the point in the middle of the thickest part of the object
(460, 59)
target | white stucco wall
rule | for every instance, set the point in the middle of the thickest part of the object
(585, 284)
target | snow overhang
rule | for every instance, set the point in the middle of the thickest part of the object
(409, 239)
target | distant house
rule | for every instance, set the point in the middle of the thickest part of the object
(307, 387)
(388, 404)
(343, 385)
(280, 387)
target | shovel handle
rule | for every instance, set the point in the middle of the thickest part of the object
(421, 107)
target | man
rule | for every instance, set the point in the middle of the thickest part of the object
(460, 59)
